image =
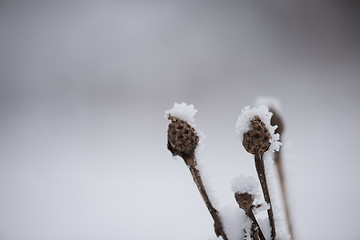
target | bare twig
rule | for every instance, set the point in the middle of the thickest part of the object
(256, 142)
(219, 229)
(260, 169)
(182, 141)
(256, 231)
(279, 167)
(277, 120)
(245, 201)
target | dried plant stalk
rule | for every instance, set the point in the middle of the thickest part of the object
(245, 202)
(182, 141)
(279, 167)
(219, 229)
(257, 234)
(260, 169)
(256, 142)
(277, 120)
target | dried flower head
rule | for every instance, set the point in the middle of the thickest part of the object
(276, 120)
(245, 200)
(256, 140)
(253, 127)
(182, 138)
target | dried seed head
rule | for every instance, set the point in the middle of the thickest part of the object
(256, 141)
(277, 120)
(182, 138)
(245, 200)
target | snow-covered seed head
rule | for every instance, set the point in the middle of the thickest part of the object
(256, 140)
(245, 200)
(182, 138)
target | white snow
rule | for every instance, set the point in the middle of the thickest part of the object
(243, 124)
(265, 227)
(244, 184)
(182, 111)
(263, 207)
(235, 222)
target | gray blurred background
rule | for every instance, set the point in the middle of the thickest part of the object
(83, 90)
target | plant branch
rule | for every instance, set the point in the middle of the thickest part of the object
(256, 231)
(279, 166)
(219, 229)
(260, 168)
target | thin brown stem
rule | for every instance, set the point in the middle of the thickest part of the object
(260, 168)
(279, 166)
(219, 229)
(257, 231)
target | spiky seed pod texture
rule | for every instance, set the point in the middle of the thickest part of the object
(256, 141)
(182, 138)
(245, 200)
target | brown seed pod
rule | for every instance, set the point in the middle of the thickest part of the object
(245, 200)
(277, 120)
(182, 138)
(256, 140)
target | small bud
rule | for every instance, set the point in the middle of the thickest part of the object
(245, 200)
(182, 138)
(256, 141)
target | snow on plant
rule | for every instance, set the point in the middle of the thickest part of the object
(245, 190)
(183, 141)
(244, 184)
(258, 137)
(182, 111)
(246, 121)
(275, 107)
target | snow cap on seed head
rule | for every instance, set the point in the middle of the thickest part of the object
(244, 184)
(182, 111)
(260, 116)
(245, 189)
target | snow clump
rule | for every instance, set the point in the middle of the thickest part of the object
(182, 111)
(244, 184)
